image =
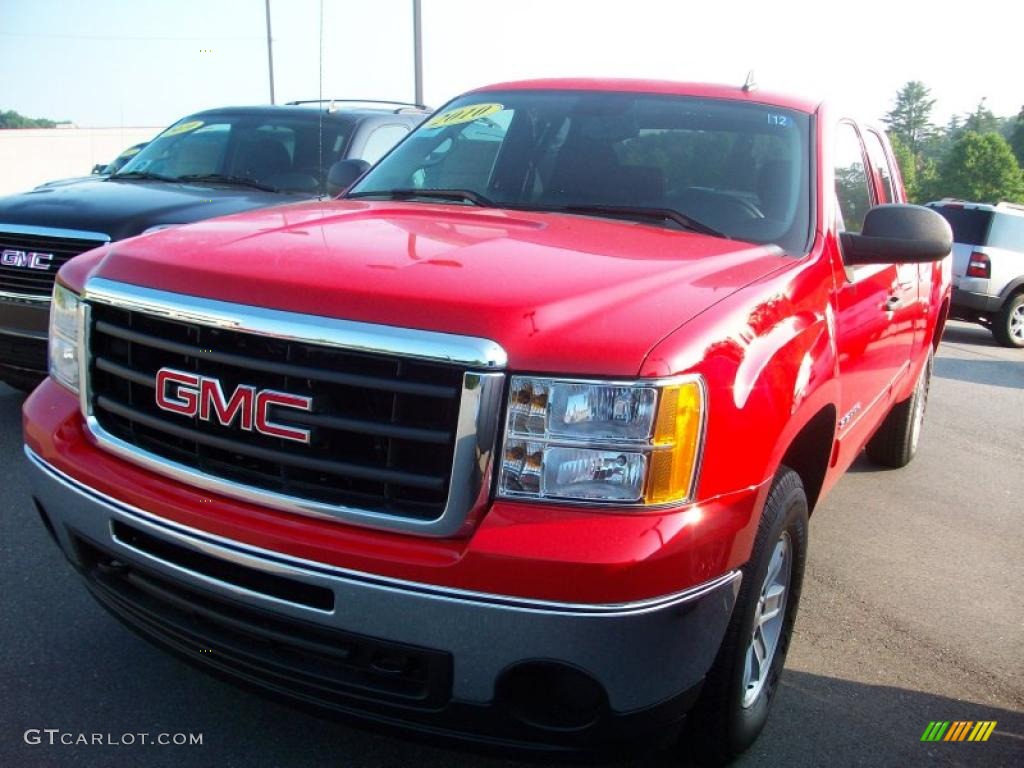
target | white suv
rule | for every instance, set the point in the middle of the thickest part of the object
(988, 266)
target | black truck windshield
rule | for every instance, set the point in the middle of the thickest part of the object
(273, 153)
(726, 168)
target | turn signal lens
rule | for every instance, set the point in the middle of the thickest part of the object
(678, 433)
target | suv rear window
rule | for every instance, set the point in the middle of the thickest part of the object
(1007, 232)
(970, 226)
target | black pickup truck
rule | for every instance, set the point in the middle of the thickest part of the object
(212, 163)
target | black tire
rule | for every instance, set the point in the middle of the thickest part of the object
(895, 443)
(1008, 324)
(721, 725)
(26, 382)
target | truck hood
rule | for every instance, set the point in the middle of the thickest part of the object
(122, 208)
(561, 293)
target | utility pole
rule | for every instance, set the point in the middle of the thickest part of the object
(417, 49)
(270, 54)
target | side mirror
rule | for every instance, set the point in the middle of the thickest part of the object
(343, 175)
(898, 234)
(98, 168)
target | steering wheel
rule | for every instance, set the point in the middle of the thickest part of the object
(709, 198)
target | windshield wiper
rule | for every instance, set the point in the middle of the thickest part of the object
(144, 175)
(222, 178)
(661, 214)
(456, 195)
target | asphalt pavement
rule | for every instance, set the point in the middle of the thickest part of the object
(913, 611)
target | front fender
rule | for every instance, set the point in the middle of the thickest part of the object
(768, 354)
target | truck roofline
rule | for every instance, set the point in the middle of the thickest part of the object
(701, 90)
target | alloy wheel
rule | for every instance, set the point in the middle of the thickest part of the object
(769, 616)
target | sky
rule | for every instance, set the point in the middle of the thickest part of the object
(117, 63)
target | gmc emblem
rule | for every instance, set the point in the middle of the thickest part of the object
(193, 395)
(26, 259)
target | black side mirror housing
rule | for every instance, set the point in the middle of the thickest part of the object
(343, 174)
(898, 234)
(98, 168)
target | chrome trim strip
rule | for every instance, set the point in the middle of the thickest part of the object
(886, 391)
(23, 334)
(72, 234)
(27, 298)
(476, 426)
(468, 351)
(277, 562)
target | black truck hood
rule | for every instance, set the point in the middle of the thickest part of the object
(123, 208)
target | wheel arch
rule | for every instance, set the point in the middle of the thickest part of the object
(940, 324)
(1012, 289)
(810, 451)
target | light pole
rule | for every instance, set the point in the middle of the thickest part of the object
(417, 49)
(270, 54)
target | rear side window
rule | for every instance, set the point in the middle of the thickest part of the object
(381, 140)
(970, 226)
(880, 164)
(1007, 232)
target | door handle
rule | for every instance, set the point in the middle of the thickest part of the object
(893, 303)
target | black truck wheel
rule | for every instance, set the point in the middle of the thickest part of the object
(895, 442)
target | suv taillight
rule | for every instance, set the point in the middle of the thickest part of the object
(979, 266)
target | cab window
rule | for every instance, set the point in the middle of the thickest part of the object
(853, 193)
(880, 166)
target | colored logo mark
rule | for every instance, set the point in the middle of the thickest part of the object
(958, 730)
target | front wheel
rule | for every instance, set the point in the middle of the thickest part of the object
(739, 689)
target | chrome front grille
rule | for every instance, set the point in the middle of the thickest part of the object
(396, 440)
(31, 256)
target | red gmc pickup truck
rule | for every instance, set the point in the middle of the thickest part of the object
(517, 441)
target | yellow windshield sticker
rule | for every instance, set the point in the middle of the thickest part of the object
(174, 130)
(129, 152)
(463, 115)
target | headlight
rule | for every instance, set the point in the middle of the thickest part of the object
(622, 443)
(65, 311)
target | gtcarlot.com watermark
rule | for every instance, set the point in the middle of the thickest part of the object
(55, 736)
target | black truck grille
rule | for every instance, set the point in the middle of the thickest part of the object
(382, 428)
(16, 276)
(288, 656)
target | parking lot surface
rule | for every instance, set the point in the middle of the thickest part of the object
(913, 611)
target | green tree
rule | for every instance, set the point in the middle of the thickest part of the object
(908, 166)
(910, 117)
(981, 168)
(1017, 138)
(981, 120)
(12, 119)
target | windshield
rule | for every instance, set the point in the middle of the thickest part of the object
(737, 169)
(279, 153)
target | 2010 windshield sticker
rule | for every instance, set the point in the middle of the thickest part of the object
(463, 115)
(174, 130)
